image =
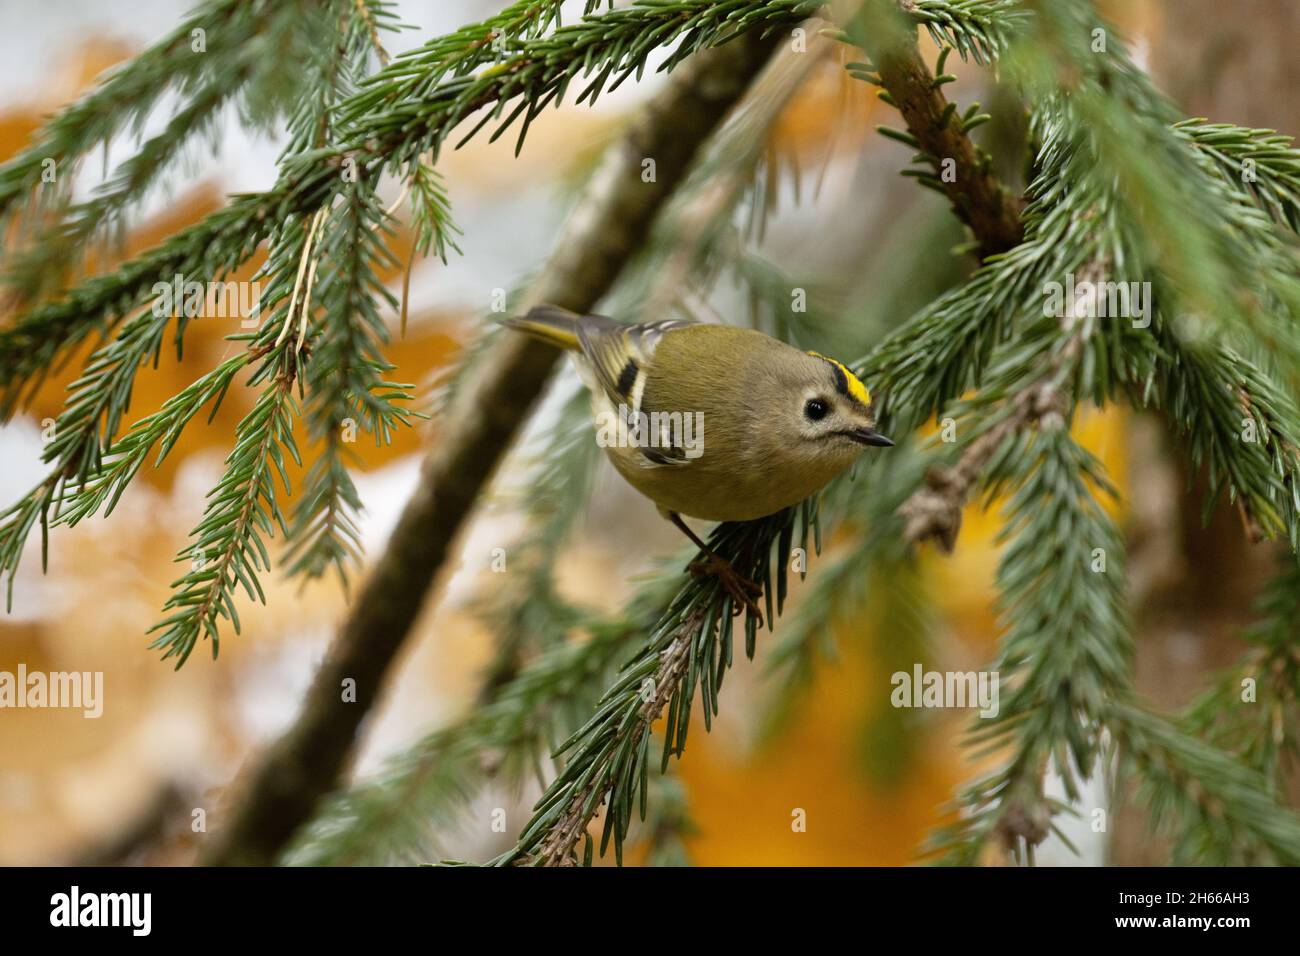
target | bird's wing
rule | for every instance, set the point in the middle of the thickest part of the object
(620, 355)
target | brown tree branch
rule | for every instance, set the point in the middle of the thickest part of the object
(281, 790)
(977, 197)
(934, 511)
(558, 847)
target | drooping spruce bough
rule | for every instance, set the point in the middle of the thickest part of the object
(1120, 188)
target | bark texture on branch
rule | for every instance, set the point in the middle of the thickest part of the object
(975, 193)
(281, 790)
(933, 512)
(977, 197)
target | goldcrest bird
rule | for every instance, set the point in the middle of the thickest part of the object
(713, 421)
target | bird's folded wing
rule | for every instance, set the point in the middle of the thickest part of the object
(620, 355)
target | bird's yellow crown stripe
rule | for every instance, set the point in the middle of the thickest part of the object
(857, 390)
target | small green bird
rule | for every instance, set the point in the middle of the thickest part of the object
(780, 423)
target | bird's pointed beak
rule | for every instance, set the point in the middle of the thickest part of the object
(867, 436)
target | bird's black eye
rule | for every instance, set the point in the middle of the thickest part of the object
(815, 409)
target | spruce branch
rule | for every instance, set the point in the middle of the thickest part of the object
(403, 114)
(961, 171)
(340, 363)
(934, 512)
(1059, 715)
(1259, 162)
(228, 552)
(979, 30)
(628, 747)
(1065, 651)
(1010, 804)
(1065, 654)
(607, 761)
(85, 432)
(226, 53)
(346, 380)
(1079, 212)
(1223, 812)
(941, 352)
(125, 97)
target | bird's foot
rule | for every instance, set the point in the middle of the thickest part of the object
(742, 591)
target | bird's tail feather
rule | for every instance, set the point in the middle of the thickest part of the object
(549, 323)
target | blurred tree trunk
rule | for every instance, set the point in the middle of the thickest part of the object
(1193, 583)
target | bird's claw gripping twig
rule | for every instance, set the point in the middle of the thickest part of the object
(742, 591)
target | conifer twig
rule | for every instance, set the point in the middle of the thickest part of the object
(561, 838)
(691, 648)
(934, 511)
(935, 128)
